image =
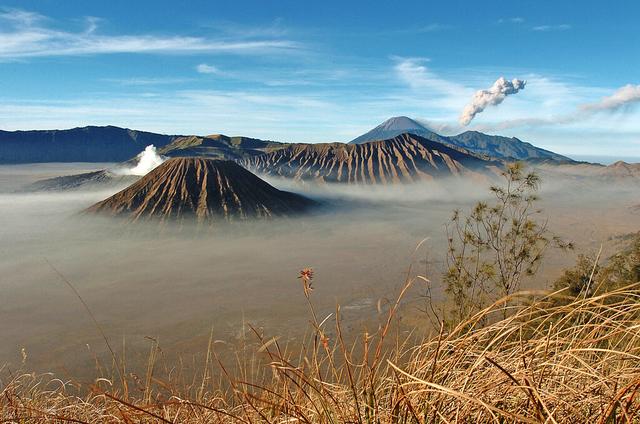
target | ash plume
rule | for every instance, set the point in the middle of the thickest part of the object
(622, 98)
(490, 97)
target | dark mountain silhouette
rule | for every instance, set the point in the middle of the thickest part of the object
(203, 190)
(405, 158)
(86, 144)
(474, 141)
(114, 144)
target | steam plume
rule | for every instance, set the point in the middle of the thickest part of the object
(491, 97)
(147, 160)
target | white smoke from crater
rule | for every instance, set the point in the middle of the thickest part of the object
(147, 161)
(491, 97)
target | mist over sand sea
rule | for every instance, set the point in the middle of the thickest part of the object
(178, 285)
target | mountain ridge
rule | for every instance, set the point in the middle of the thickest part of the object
(115, 144)
(405, 158)
(219, 146)
(80, 144)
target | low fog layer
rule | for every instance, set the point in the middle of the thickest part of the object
(178, 284)
(15, 177)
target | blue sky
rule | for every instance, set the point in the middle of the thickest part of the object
(325, 71)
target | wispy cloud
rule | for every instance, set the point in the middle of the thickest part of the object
(512, 20)
(548, 28)
(135, 81)
(237, 30)
(433, 27)
(29, 34)
(623, 98)
(417, 75)
(273, 115)
(203, 68)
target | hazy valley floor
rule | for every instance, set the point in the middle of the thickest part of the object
(177, 286)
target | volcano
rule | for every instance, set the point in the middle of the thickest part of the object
(406, 158)
(395, 126)
(202, 190)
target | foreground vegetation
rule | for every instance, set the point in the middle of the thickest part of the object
(497, 354)
(547, 362)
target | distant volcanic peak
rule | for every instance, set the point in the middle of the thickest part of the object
(625, 165)
(403, 159)
(401, 123)
(395, 126)
(621, 168)
(201, 189)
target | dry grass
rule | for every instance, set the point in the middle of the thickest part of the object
(548, 361)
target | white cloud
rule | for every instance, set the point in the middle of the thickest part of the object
(273, 115)
(513, 20)
(203, 68)
(434, 27)
(140, 81)
(413, 72)
(237, 30)
(547, 28)
(21, 17)
(28, 36)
